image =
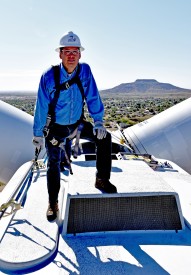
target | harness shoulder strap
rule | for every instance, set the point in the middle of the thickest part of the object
(52, 105)
(56, 70)
(79, 83)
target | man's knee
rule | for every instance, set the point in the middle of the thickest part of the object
(107, 138)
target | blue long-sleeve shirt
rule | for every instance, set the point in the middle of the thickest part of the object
(70, 103)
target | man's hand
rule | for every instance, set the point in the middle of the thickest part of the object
(38, 142)
(99, 130)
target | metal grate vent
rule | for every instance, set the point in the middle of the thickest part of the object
(123, 213)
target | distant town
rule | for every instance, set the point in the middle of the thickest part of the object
(123, 109)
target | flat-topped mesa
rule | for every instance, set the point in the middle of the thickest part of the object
(146, 86)
(146, 80)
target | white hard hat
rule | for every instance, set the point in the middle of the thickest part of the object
(69, 39)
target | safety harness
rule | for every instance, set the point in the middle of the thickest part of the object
(52, 106)
(58, 87)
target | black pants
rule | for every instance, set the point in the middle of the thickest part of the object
(59, 132)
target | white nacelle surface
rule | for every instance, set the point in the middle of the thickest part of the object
(16, 134)
(166, 135)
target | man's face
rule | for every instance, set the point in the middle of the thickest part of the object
(70, 57)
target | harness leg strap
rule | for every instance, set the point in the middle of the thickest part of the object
(76, 147)
(61, 145)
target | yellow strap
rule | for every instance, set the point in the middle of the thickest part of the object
(14, 204)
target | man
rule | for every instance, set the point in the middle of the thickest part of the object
(68, 114)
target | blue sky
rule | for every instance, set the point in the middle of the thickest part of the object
(124, 40)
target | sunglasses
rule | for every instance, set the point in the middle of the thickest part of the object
(68, 52)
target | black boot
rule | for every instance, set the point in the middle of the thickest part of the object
(52, 211)
(105, 185)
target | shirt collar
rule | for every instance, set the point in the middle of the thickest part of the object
(64, 72)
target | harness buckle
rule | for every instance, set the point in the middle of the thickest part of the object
(67, 85)
(54, 141)
(45, 131)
